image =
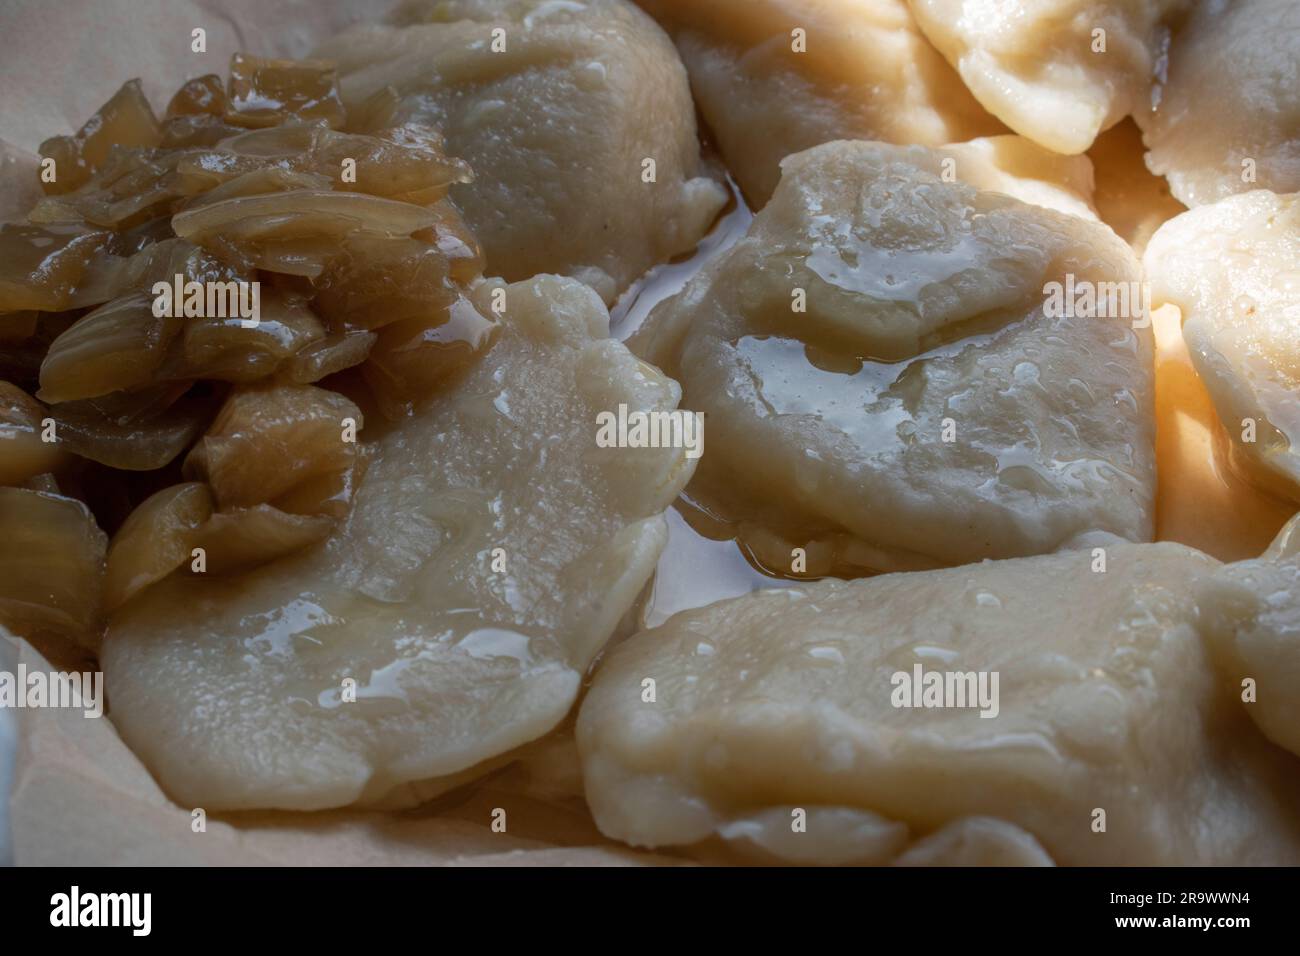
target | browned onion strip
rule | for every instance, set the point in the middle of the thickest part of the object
(201, 96)
(265, 92)
(412, 359)
(139, 432)
(329, 356)
(237, 540)
(116, 347)
(23, 452)
(222, 348)
(156, 539)
(126, 120)
(51, 567)
(41, 265)
(267, 440)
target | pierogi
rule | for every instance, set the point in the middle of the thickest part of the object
(887, 383)
(1233, 269)
(1089, 726)
(1056, 71)
(576, 119)
(1250, 612)
(775, 77)
(491, 551)
(1022, 169)
(1226, 117)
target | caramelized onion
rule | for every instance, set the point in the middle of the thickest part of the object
(155, 540)
(114, 348)
(302, 213)
(282, 146)
(246, 537)
(329, 494)
(412, 359)
(453, 238)
(41, 265)
(179, 132)
(329, 356)
(258, 182)
(375, 282)
(109, 277)
(405, 162)
(297, 231)
(265, 92)
(138, 432)
(24, 453)
(126, 120)
(51, 565)
(267, 440)
(222, 348)
(130, 187)
(201, 96)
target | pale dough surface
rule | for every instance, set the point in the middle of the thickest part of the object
(1042, 67)
(1226, 118)
(783, 700)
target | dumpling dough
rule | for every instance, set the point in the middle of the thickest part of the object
(230, 690)
(865, 73)
(1251, 613)
(1024, 170)
(1233, 269)
(1031, 62)
(783, 700)
(924, 317)
(557, 129)
(976, 841)
(1232, 94)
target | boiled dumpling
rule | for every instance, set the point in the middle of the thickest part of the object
(576, 119)
(1233, 268)
(1250, 611)
(1056, 71)
(491, 550)
(857, 69)
(883, 385)
(1080, 710)
(1022, 169)
(1227, 117)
